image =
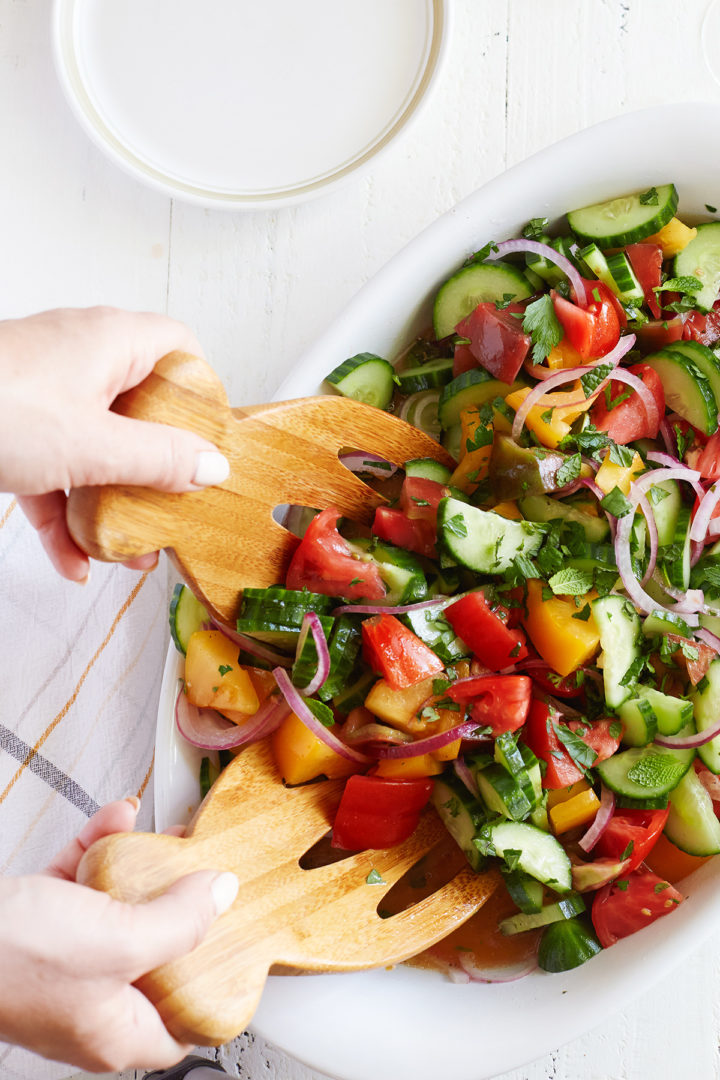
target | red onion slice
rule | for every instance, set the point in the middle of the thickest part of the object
(507, 247)
(689, 742)
(208, 730)
(701, 521)
(311, 624)
(504, 974)
(709, 638)
(372, 464)
(462, 771)
(652, 537)
(431, 742)
(377, 733)
(668, 437)
(253, 647)
(709, 780)
(605, 812)
(398, 609)
(299, 706)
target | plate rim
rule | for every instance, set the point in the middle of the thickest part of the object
(80, 101)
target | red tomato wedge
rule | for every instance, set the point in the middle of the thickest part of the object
(540, 735)
(324, 563)
(626, 419)
(501, 702)
(463, 360)
(486, 631)
(375, 812)
(630, 903)
(593, 330)
(396, 527)
(496, 339)
(646, 260)
(703, 328)
(641, 828)
(394, 652)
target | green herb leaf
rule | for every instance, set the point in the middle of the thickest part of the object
(661, 886)
(374, 878)
(616, 503)
(541, 323)
(686, 283)
(623, 884)
(649, 197)
(535, 228)
(621, 455)
(615, 729)
(582, 755)
(569, 470)
(456, 525)
(592, 379)
(571, 582)
(224, 668)
(583, 614)
(711, 209)
(320, 711)
(512, 857)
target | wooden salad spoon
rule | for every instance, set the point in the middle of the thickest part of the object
(322, 919)
(224, 538)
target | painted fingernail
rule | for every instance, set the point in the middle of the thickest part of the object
(134, 802)
(82, 581)
(211, 467)
(224, 889)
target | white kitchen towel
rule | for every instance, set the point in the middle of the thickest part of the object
(80, 678)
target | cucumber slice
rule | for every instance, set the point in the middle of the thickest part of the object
(429, 469)
(548, 271)
(452, 441)
(472, 285)
(344, 647)
(566, 945)
(540, 854)
(365, 377)
(432, 627)
(482, 540)
(706, 699)
(567, 908)
(687, 391)
(186, 616)
(627, 219)
(524, 890)
(502, 794)
(705, 360)
(544, 508)
(651, 711)
(639, 721)
(400, 570)
(426, 377)
(665, 509)
(462, 815)
(355, 693)
(701, 259)
(625, 284)
(645, 772)
(275, 614)
(665, 622)
(510, 756)
(471, 389)
(594, 258)
(421, 410)
(619, 627)
(692, 825)
(677, 570)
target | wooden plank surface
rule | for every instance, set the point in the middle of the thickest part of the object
(259, 287)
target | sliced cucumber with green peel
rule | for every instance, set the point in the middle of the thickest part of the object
(344, 646)
(665, 622)
(645, 772)
(650, 711)
(470, 286)
(638, 720)
(544, 508)
(524, 890)
(187, 615)
(432, 627)
(400, 570)
(665, 509)
(701, 259)
(677, 569)
(425, 377)
(566, 945)
(627, 219)
(462, 815)
(502, 793)
(482, 540)
(548, 271)
(567, 908)
(625, 283)
(687, 391)
(469, 390)
(536, 852)
(428, 469)
(619, 627)
(705, 360)
(706, 699)
(692, 825)
(365, 377)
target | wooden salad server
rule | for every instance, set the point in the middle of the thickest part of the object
(224, 538)
(324, 919)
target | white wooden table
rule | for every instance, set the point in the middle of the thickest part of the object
(258, 287)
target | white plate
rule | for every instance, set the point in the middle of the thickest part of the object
(246, 103)
(406, 1022)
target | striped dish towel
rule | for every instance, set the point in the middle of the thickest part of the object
(81, 669)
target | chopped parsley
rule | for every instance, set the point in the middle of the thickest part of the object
(535, 228)
(541, 323)
(581, 754)
(456, 525)
(649, 197)
(374, 878)
(224, 668)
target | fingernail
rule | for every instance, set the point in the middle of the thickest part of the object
(82, 581)
(224, 889)
(211, 467)
(134, 802)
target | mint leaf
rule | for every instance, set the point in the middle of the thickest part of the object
(456, 525)
(541, 323)
(535, 228)
(657, 770)
(568, 471)
(592, 379)
(582, 755)
(571, 582)
(686, 283)
(583, 614)
(621, 455)
(320, 711)
(616, 503)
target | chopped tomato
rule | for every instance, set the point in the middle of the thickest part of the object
(463, 360)
(657, 333)
(593, 330)
(547, 679)
(707, 460)
(646, 260)
(696, 665)
(628, 904)
(324, 563)
(501, 702)
(485, 630)
(419, 498)
(496, 339)
(540, 735)
(396, 527)
(636, 830)
(378, 813)
(626, 420)
(703, 328)
(670, 862)
(394, 652)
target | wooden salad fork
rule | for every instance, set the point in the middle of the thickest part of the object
(323, 919)
(224, 538)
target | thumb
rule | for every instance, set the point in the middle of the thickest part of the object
(175, 923)
(118, 450)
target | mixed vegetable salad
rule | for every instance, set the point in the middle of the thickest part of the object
(530, 640)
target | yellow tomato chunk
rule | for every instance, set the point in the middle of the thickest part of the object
(573, 812)
(672, 238)
(213, 677)
(610, 475)
(558, 795)
(408, 768)
(563, 642)
(301, 756)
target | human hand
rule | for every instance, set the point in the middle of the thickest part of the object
(60, 371)
(69, 956)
